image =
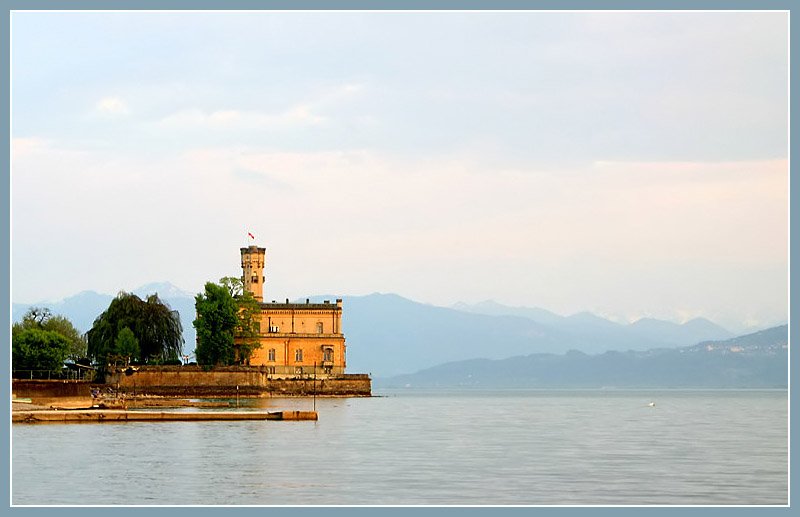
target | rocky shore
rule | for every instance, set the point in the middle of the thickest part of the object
(128, 402)
(24, 406)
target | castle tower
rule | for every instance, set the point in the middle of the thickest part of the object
(253, 259)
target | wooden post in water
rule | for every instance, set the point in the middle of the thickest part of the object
(314, 386)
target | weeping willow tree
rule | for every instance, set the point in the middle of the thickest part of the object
(156, 327)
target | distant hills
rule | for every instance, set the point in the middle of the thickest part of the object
(585, 323)
(758, 360)
(388, 335)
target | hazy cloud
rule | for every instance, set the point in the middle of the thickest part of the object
(240, 120)
(111, 106)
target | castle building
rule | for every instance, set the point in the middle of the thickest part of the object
(296, 339)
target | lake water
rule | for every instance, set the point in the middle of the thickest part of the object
(427, 448)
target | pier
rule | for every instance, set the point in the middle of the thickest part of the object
(121, 415)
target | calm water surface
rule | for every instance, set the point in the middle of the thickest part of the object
(409, 447)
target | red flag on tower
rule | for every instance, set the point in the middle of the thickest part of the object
(251, 235)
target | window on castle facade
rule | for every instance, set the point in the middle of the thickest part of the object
(271, 354)
(319, 328)
(298, 355)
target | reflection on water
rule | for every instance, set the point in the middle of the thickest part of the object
(410, 447)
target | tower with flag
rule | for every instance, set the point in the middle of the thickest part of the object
(253, 259)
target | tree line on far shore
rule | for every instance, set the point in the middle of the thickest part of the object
(136, 331)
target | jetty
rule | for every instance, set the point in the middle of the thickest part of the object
(121, 415)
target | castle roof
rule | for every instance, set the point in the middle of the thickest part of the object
(302, 306)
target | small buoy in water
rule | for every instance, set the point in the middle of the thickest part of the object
(652, 404)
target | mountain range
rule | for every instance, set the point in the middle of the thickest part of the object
(388, 335)
(587, 324)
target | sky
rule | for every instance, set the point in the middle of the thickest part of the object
(631, 164)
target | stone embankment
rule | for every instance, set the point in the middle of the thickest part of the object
(194, 382)
(119, 415)
(223, 382)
